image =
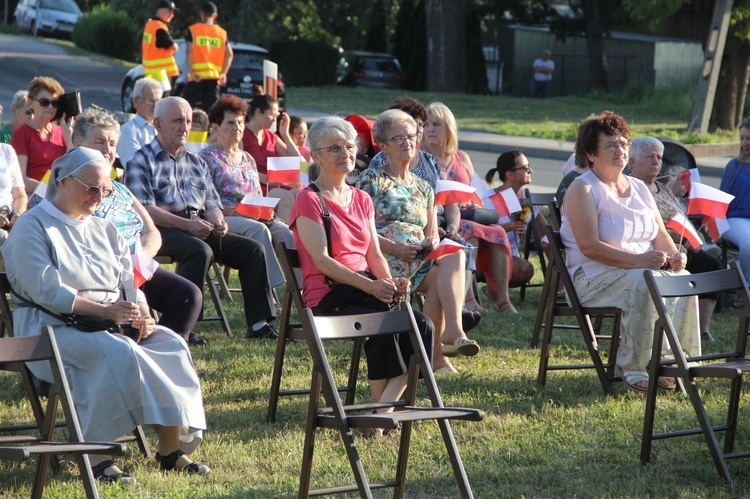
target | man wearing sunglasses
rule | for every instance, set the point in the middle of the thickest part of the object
(21, 113)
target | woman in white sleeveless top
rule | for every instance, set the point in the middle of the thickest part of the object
(612, 231)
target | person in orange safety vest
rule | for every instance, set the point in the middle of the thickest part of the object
(158, 47)
(208, 57)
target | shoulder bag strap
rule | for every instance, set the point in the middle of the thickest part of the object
(326, 226)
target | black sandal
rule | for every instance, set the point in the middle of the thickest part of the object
(119, 476)
(169, 463)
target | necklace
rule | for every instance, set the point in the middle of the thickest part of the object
(342, 197)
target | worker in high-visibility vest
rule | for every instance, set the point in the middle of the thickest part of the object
(158, 47)
(208, 57)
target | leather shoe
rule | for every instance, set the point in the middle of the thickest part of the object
(470, 320)
(267, 332)
(195, 341)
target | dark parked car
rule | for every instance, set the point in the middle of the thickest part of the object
(370, 69)
(246, 71)
(55, 17)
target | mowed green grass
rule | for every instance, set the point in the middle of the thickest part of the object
(565, 440)
(660, 112)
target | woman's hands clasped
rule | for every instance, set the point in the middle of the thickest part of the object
(389, 289)
(128, 311)
(660, 260)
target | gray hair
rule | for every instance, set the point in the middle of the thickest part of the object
(387, 120)
(330, 126)
(143, 84)
(20, 99)
(642, 143)
(164, 104)
(92, 118)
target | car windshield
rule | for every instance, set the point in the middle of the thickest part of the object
(378, 64)
(248, 59)
(63, 5)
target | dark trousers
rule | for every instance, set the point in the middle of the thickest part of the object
(194, 257)
(202, 93)
(177, 300)
(540, 89)
(703, 261)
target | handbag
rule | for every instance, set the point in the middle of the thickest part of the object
(88, 323)
(480, 216)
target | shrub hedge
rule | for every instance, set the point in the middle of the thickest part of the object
(109, 32)
(306, 63)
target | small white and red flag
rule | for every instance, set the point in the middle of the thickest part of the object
(689, 176)
(257, 207)
(504, 202)
(483, 190)
(716, 226)
(680, 224)
(445, 248)
(143, 265)
(451, 192)
(283, 170)
(707, 200)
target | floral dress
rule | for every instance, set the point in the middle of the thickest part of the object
(402, 211)
(492, 234)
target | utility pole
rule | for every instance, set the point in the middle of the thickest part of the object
(709, 77)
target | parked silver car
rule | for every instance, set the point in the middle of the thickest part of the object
(54, 17)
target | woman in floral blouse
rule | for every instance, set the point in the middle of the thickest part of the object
(235, 176)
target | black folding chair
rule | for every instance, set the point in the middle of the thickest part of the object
(730, 366)
(347, 418)
(533, 239)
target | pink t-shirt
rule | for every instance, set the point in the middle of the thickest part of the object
(41, 153)
(350, 237)
(260, 152)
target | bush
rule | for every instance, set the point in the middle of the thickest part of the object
(109, 32)
(306, 63)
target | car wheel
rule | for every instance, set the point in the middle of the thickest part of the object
(126, 96)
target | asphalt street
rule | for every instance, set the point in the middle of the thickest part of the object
(24, 57)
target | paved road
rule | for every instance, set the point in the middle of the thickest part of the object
(23, 57)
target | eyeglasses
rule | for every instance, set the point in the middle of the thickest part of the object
(526, 168)
(94, 190)
(400, 139)
(149, 101)
(611, 147)
(45, 102)
(338, 150)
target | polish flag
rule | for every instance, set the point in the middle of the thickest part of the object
(143, 265)
(451, 192)
(283, 170)
(680, 224)
(504, 202)
(257, 207)
(716, 226)
(706, 200)
(483, 190)
(689, 176)
(445, 248)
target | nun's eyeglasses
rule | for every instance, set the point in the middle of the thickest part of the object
(95, 190)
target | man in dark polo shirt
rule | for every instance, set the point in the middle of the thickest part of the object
(175, 187)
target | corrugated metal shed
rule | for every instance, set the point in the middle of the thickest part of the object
(631, 57)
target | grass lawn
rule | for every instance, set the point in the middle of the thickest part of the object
(662, 112)
(566, 440)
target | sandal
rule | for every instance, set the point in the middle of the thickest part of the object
(469, 320)
(475, 307)
(506, 307)
(632, 378)
(447, 369)
(115, 475)
(169, 463)
(462, 346)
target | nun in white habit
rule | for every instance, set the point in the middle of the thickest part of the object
(60, 257)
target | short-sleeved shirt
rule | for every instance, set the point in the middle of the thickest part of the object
(119, 210)
(10, 174)
(232, 181)
(174, 184)
(427, 168)
(5, 134)
(260, 152)
(350, 237)
(40, 153)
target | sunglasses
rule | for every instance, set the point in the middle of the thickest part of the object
(45, 102)
(94, 190)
